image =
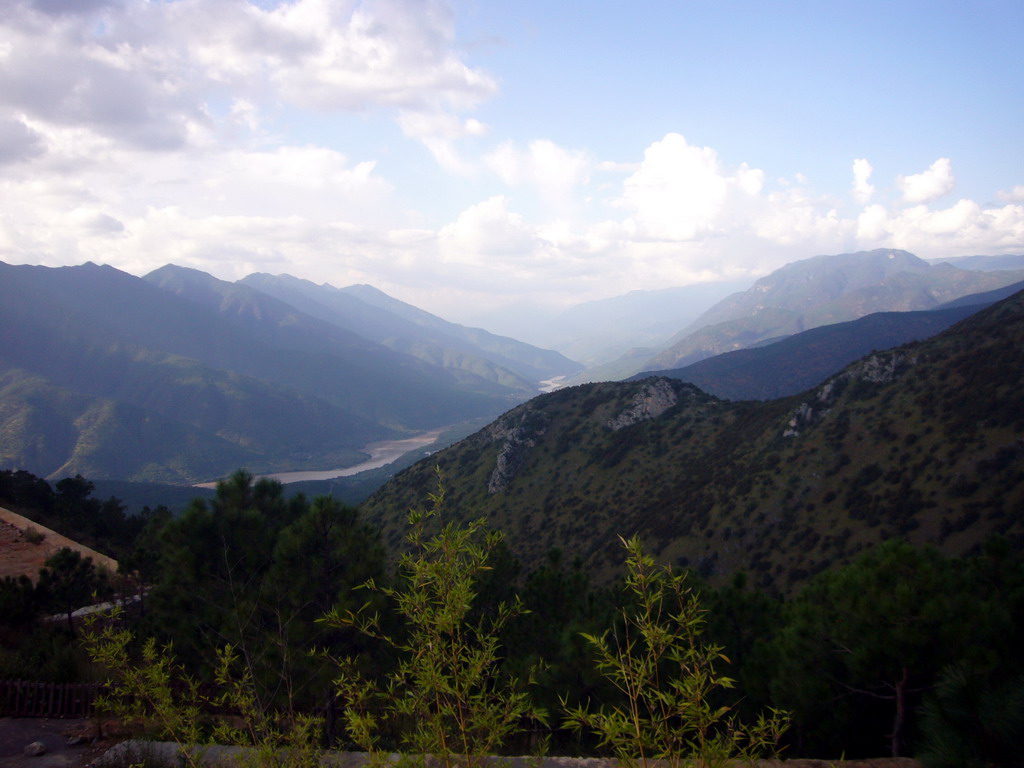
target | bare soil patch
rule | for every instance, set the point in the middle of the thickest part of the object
(20, 555)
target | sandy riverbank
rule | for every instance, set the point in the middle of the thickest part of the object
(381, 454)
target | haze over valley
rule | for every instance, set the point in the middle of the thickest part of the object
(180, 377)
(452, 339)
(889, 442)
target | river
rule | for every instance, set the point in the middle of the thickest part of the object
(381, 453)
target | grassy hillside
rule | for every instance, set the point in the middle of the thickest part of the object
(922, 442)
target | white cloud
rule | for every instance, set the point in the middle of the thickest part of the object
(553, 171)
(680, 192)
(54, 75)
(930, 184)
(440, 133)
(397, 52)
(487, 230)
(61, 7)
(616, 167)
(1015, 195)
(92, 221)
(963, 228)
(313, 182)
(121, 205)
(18, 142)
(793, 217)
(872, 224)
(137, 133)
(749, 180)
(143, 72)
(863, 190)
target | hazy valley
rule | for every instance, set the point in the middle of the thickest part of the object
(853, 463)
(795, 440)
(180, 377)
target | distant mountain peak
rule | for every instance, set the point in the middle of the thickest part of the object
(171, 268)
(823, 290)
(356, 287)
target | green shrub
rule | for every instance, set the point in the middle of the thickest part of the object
(668, 678)
(446, 698)
(149, 688)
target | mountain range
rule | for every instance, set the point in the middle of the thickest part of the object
(180, 377)
(374, 315)
(986, 263)
(813, 292)
(803, 360)
(922, 441)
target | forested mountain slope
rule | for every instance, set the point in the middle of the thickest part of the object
(923, 442)
(374, 316)
(284, 326)
(110, 376)
(529, 360)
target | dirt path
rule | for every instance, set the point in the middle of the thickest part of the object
(18, 732)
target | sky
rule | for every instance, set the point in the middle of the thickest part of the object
(472, 154)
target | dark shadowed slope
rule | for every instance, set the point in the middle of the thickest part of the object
(109, 375)
(806, 359)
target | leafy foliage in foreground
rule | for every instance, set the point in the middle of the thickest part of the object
(447, 695)
(254, 570)
(667, 677)
(899, 623)
(148, 688)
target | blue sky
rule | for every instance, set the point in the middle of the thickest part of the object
(465, 155)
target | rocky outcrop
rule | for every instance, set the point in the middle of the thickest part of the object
(810, 411)
(883, 367)
(517, 432)
(880, 368)
(654, 398)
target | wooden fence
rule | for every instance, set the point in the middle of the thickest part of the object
(25, 698)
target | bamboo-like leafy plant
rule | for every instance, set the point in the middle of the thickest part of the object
(447, 697)
(150, 689)
(668, 679)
